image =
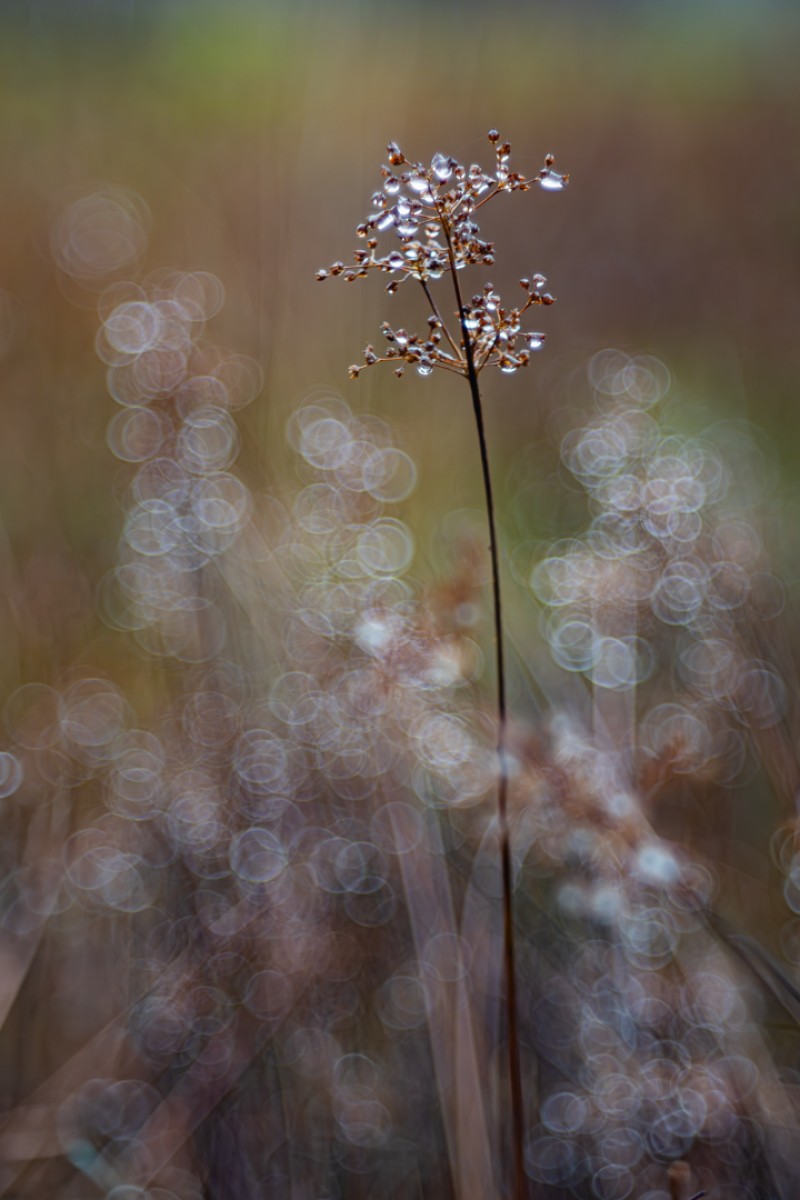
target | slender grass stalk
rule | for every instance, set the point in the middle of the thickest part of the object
(509, 968)
(514, 1064)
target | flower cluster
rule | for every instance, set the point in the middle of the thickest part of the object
(431, 211)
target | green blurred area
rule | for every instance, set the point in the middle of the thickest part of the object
(254, 133)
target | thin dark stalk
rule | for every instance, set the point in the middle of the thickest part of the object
(514, 1067)
(438, 316)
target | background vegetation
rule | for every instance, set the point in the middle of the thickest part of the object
(253, 134)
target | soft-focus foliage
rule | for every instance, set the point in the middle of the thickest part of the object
(250, 919)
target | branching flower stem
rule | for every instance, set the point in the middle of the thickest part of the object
(415, 203)
(514, 1065)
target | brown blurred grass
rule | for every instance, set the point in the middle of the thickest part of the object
(254, 137)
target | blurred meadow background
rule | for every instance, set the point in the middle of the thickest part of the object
(249, 918)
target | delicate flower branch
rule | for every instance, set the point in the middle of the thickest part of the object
(431, 211)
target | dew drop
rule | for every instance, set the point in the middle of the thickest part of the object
(536, 341)
(551, 181)
(441, 167)
(424, 367)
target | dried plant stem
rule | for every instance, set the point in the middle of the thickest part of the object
(517, 1190)
(514, 1071)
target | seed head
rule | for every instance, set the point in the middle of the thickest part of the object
(430, 210)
